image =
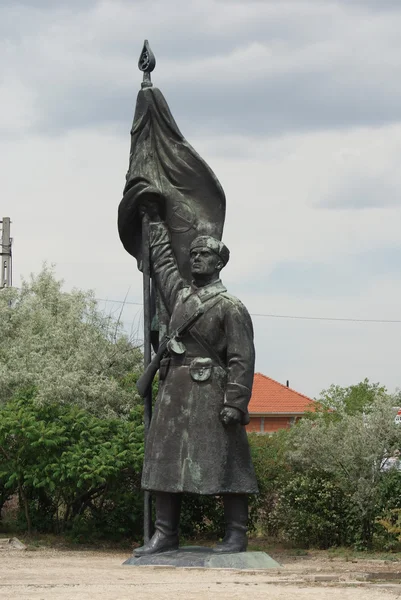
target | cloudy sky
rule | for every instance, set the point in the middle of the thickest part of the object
(296, 106)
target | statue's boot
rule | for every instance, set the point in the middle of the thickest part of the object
(165, 538)
(236, 519)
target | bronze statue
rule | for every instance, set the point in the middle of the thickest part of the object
(196, 441)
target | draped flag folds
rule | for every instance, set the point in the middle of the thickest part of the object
(164, 166)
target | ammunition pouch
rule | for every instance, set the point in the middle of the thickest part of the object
(200, 368)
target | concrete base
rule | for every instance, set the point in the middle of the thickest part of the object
(198, 556)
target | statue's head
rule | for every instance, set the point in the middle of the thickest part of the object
(207, 257)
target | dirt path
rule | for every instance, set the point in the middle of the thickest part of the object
(70, 575)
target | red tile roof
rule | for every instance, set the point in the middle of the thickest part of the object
(270, 396)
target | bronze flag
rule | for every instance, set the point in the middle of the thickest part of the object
(163, 164)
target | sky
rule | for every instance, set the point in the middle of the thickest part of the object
(295, 105)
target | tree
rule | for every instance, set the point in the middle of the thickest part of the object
(64, 347)
(351, 449)
(71, 469)
(351, 400)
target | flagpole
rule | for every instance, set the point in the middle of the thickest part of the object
(147, 356)
(146, 64)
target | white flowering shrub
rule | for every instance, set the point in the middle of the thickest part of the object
(62, 345)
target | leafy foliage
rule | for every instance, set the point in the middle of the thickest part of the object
(71, 439)
(202, 516)
(65, 347)
(272, 471)
(351, 450)
(352, 400)
(71, 469)
(312, 511)
(323, 482)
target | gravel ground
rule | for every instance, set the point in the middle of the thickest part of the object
(68, 575)
(46, 574)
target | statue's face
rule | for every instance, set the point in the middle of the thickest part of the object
(204, 262)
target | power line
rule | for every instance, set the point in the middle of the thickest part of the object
(327, 318)
(274, 316)
(119, 301)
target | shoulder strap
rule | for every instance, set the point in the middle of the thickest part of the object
(201, 340)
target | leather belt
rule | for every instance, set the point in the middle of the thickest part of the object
(177, 361)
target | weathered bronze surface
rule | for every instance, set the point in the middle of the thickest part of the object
(197, 441)
(208, 368)
(205, 558)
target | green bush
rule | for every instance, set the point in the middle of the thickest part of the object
(272, 471)
(349, 450)
(70, 469)
(202, 517)
(311, 510)
(321, 483)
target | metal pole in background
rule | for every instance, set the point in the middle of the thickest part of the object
(5, 254)
(147, 356)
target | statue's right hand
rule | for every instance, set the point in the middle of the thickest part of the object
(151, 208)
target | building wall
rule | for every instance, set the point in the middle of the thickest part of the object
(269, 424)
(254, 425)
(275, 423)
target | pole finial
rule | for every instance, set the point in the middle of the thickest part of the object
(146, 63)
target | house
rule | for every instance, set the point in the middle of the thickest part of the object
(275, 406)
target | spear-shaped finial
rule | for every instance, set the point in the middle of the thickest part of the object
(146, 63)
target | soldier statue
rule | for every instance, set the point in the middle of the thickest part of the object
(197, 441)
(171, 220)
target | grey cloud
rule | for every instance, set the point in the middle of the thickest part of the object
(91, 77)
(278, 104)
(377, 6)
(282, 104)
(51, 5)
(306, 279)
(350, 275)
(361, 193)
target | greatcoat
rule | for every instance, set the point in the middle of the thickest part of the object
(188, 448)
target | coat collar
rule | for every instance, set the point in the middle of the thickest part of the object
(208, 291)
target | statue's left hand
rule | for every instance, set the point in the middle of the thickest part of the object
(230, 416)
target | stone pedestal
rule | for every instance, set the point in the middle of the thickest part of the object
(198, 556)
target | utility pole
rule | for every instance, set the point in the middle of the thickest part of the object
(5, 254)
